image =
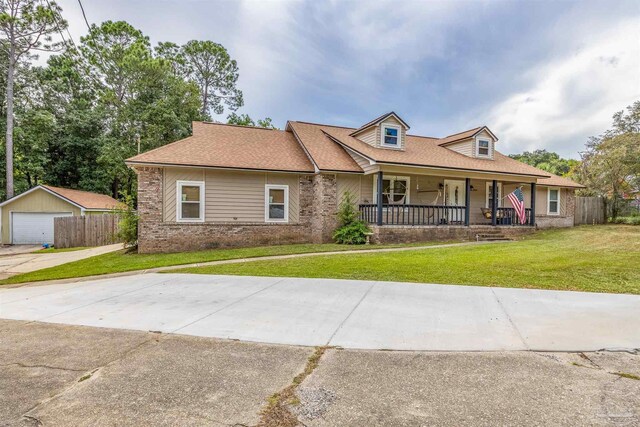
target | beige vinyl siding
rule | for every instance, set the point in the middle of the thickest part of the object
(36, 201)
(369, 136)
(350, 183)
(231, 196)
(465, 147)
(364, 164)
(366, 189)
(170, 178)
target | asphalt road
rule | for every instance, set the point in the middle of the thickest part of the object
(60, 375)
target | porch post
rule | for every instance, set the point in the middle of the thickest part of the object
(494, 203)
(379, 200)
(467, 200)
(532, 220)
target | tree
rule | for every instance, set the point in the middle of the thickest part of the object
(548, 161)
(26, 26)
(146, 102)
(245, 120)
(210, 66)
(611, 162)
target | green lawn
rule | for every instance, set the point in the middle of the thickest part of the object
(120, 261)
(587, 258)
(56, 250)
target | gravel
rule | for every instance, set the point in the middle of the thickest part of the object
(314, 402)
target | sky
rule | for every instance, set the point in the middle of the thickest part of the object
(539, 74)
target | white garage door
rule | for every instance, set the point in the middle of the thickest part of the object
(33, 227)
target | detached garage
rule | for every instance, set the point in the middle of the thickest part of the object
(28, 217)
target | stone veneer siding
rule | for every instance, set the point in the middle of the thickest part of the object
(318, 204)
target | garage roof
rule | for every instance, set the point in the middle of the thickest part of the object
(81, 199)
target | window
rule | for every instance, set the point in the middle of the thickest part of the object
(489, 202)
(390, 136)
(553, 198)
(190, 206)
(395, 189)
(484, 148)
(276, 203)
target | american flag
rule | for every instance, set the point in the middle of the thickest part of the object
(517, 201)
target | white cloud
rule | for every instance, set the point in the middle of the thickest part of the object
(573, 97)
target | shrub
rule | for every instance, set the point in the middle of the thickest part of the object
(630, 220)
(351, 230)
(128, 226)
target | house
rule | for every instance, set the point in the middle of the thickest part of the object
(230, 185)
(28, 217)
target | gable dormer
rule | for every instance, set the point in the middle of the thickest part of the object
(478, 143)
(388, 131)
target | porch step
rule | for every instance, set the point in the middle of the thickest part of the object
(491, 237)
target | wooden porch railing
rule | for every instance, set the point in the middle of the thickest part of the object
(431, 215)
(413, 214)
(507, 216)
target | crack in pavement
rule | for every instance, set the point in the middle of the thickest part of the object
(23, 365)
(506, 313)
(350, 313)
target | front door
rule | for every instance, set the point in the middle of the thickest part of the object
(454, 195)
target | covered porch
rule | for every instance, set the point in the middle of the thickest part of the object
(403, 198)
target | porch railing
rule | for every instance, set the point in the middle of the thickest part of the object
(432, 215)
(507, 216)
(413, 214)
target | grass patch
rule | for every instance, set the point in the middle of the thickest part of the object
(586, 258)
(121, 261)
(277, 413)
(625, 375)
(56, 250)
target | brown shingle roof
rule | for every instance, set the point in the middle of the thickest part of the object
(419, 151)
(240, 147)
(326, 154)
(559, 181)
(85, 199)
(230, 146)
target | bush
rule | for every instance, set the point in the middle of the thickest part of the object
(128, 226)
(630, 220)
(351, 230)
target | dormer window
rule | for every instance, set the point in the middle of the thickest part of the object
(484, 148)
(390, 136)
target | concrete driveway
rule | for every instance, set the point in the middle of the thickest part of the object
(343, 313)
(20, 259)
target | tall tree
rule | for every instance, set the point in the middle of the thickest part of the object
(611, 162)
(146, 103)
(548, 161)
(210, 66)
(26, 26)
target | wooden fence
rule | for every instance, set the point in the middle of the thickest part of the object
(589, 210)
(89, 230)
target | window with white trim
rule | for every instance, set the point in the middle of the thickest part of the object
(489, 193)
(190, 203)
(276, 203)
(395, 189)
(553, 201)
(390, 136)
(483, 148)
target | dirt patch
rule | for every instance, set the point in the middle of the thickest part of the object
(278, 412)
